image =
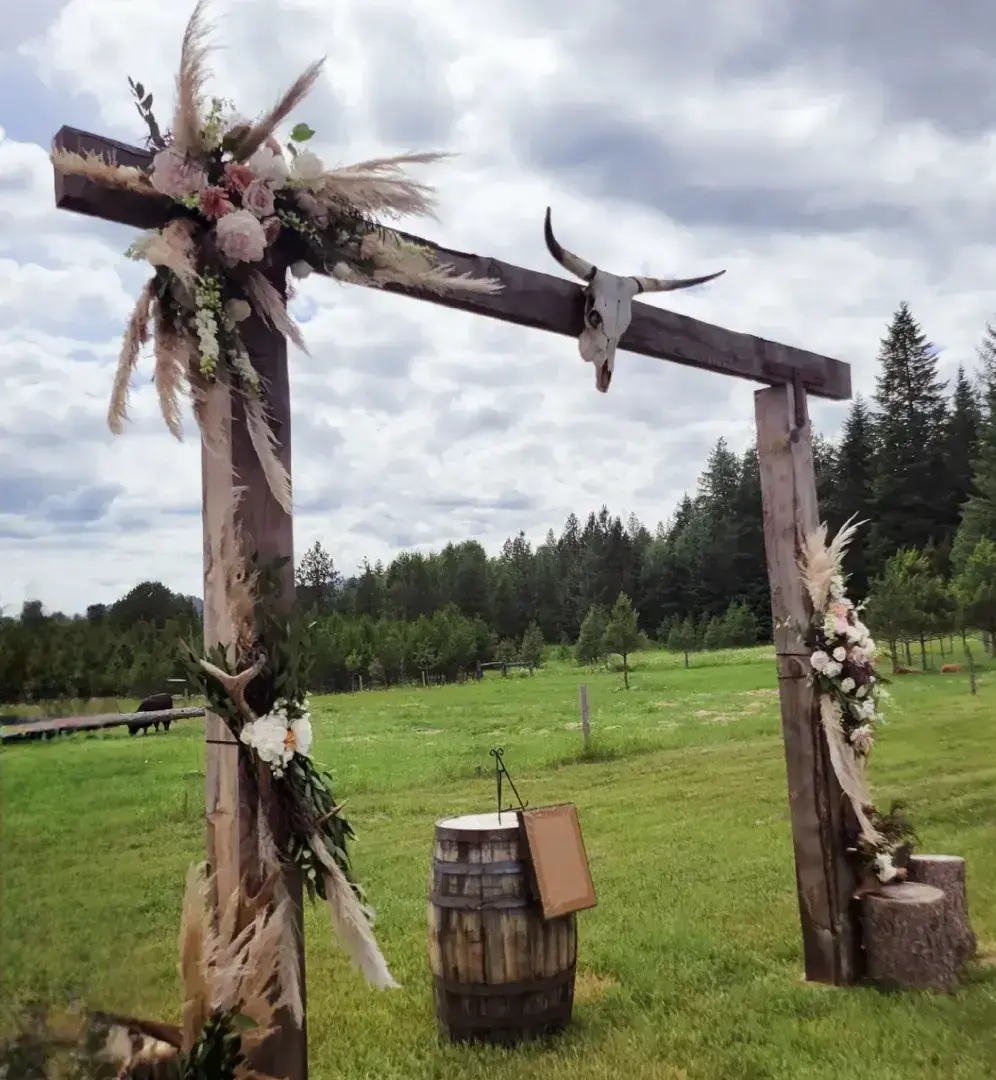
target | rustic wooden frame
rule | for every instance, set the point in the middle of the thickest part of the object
(830, 927)
(548, 833)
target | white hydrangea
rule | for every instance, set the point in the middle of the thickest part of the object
(840, 654)
(847, 685)
(307, 166)
(833, 669)
(819, 660)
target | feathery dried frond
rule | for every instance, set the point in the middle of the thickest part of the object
(820, 560)
(136, 335)
(94, 167)
(197, 943)
(349, 922)
(270, 307)
(415, 266)
(263, 129)
(848, 768)
(190, 80)
(172, 352)
(380, 187)
(265, 444)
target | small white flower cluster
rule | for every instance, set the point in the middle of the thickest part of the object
(207, 337)
(276, 738)
(244, 369)
(885, 869)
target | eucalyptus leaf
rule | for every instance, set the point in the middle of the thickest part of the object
(301, 133)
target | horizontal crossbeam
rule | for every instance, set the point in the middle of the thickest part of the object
(529, 298)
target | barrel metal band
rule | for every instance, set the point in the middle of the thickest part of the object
(470, 903)
(506, 989)
(478, 869)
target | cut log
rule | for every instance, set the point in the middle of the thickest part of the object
(906, 941)
(947, 873)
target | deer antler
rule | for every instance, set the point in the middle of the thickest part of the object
(235, 685)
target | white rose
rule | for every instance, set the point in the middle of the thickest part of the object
(833, 669)
(240, 238)
(847, 685)
(840, 654)
(862, 739)
(258, 199)
(301, 735)
(819, 660)
(308, 166)
(268, 167)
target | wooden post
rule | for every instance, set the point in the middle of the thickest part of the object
(824, 875)
(585, 725)
(234, 797)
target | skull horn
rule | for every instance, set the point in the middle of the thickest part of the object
(654, 284)
(567, 259)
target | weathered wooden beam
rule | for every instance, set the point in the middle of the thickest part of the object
(97, 722)
(529, 298)
(236, 793)
(824, 874)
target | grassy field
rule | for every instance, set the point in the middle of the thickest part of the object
(689, 967)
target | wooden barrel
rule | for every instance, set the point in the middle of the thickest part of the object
(501, 972)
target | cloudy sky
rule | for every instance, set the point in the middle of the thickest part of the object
(835, 157)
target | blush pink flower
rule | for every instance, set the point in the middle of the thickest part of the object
(258, 199)
(176, 175)
(214, 202)
(240, 238)
(238, 176)
(839, 609)
(857, 655)
(840, 625)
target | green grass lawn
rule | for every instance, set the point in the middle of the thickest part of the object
(690, 966)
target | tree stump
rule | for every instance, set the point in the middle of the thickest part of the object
(907, 945)
(947, 873)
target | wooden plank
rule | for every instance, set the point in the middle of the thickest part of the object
(98, 722)
(234, 796)
(824, 875)
(529, 298)
(585, 723)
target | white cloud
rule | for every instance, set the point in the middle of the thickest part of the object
(415, 424)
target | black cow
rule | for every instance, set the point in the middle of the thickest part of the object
(153, 703)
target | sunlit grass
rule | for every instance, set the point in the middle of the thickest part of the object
(689, 967)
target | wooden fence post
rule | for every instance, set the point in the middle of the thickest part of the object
(825, 877)
(585, 726)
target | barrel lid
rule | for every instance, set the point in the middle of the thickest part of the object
(482, 822)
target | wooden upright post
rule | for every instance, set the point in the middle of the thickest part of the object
(234, 797)
(824, 874)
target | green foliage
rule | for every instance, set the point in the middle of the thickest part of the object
(590, 646)
(301, 132)
(531, 650)
(975, 588)
(683, 638)
(622, 634)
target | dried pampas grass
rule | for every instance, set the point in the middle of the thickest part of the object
(400, 262)
(264, 128)
(820, 560)
(136, 335)
(94, 167)
(190, 80)
(270, 306)
(173, 357)
(265, 444)
(352, 929)
(380, 186)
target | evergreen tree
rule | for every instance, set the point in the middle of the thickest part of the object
(851, 493)
(978, 517)
(961, 438)
(622, 634)
(908, 491)
(317, 581)
(531, 650)
(975, 588)
(683, 638)
(591, 638)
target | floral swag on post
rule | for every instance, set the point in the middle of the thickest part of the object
(262, 697)
(241, 212)
(842, 656)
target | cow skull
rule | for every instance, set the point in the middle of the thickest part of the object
(608, 304)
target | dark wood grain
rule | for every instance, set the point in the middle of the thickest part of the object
(824, 874)
(529, 298)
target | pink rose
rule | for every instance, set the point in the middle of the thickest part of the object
(176, 175)
(214, 202)
(840, 609)
(840, 625)
(858, 656)
(240, 238)
(238, 176)
(258, 199)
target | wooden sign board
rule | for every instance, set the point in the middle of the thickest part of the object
(560, 864)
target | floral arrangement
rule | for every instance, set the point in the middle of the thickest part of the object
(851, 693)
(240, 211)
(262, 699)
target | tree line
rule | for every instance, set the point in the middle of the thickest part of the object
(917, 462)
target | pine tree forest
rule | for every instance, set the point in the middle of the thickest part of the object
(917, 462)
